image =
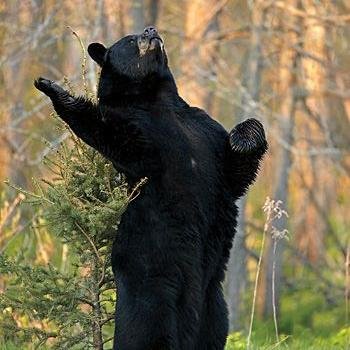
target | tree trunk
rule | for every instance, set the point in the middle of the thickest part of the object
(152, 13)
(137, 16)
(97, 336)
(142, 13)
(4, 149)
(99, 30)
(314, 171)
(236, 272)
(287, 85)
(13, 76)
(199, 51)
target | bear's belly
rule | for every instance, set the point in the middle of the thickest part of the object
(155, 241)
(148, 250)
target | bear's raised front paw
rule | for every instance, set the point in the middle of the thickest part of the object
(248, 137)
(47, 86)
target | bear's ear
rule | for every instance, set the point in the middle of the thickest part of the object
(97, 52)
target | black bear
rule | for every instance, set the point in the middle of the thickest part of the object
(173, 242)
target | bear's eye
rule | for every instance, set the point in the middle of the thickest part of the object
(131, 41)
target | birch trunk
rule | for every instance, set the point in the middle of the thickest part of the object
(314, 171)
(236, 272)
(289, 65)
(199, 51)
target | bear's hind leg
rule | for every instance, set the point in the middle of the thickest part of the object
(214, 326)
(145, 321)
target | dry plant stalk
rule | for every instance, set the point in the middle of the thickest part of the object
(276, 236)
(83, 62)
(347, 291)
(272, 211)
(8, 210)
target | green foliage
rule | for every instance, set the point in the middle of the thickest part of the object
(311, 313)
(67, 308)
(304, 341)
(306, 322)
(236, 341)
(88, 196)
(40, 303)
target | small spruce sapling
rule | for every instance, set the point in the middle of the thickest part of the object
(70, 309)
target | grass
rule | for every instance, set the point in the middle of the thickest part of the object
(303, 341)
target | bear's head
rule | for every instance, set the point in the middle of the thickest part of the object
(136, 66)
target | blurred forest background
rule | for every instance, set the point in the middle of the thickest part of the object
(286, 62)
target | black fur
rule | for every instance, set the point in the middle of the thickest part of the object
(173, 242)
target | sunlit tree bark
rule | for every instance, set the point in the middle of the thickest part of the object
(4, 147)
(15, 88)
(287, 87)
(199, 51)
(314, 132)
(137, 15)
(252, 70)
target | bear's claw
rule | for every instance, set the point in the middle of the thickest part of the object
(47, 86)
(248, 137)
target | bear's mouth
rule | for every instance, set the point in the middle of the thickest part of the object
(154, 42)
(146, 44)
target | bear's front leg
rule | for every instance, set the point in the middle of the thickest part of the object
(82, 116)
(247, 148)
(68, 107)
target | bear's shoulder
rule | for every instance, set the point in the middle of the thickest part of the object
(199, 116)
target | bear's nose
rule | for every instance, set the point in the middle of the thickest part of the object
(150, 31)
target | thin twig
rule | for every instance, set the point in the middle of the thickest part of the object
(96, 253)
(132, 195)
(27, 193)
(83, 61)
(90, 241)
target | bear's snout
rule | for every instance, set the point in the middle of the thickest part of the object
(150, 32)
(149, 40)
